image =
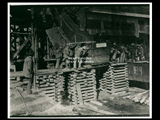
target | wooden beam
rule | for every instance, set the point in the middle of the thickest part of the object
(47, 47)
(36, 59)
(20, 33)
(21, 47)
(33, 48)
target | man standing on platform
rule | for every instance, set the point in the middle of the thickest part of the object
(28, 70)
(67, 54)
(58, 54)
(80, 51)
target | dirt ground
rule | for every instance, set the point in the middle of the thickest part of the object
(37, 104)
(123, 106)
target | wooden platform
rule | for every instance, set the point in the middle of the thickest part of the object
(51, 71)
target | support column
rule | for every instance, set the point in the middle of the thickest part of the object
(47, 47)
(33, 48)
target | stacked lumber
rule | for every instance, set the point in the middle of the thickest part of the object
(59, 86)
(51, 85)
(115, 80)
(142, 97)
(82, 86)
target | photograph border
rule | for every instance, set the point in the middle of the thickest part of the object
(82, 3)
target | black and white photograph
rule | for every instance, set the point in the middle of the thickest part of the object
(79, 60)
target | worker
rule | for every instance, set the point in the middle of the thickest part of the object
(133, 52)
(115, 53)
(128, 54)
(123, 51)
(58, 55)
(141, 52)
(68, 54)
(80, 51)
(76, 55)
(65, 56)
(28, 70)
(111, 54)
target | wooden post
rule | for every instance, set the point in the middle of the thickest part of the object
(47, 47)
(36, 59)
(136, 33)
(33, 48)
(36, 49)
(75, 38)
(32, 30)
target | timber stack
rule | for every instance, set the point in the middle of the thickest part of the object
(51, 85)
(115, 80)
(82, 86)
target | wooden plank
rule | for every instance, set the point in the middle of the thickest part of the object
(119, 76)
(87, 87)
(79, 93)
(119, 64)
(50, 93)
(120, 83)
(118, 70)
(120, 86)
(43, 86)
(88, 98)
(119, 73)
(96, 102)
(20, 33)
(85, 82)
(120, 79)
(88, 90)
(88, 93)
(120, 89)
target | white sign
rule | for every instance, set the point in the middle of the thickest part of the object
(101, 45)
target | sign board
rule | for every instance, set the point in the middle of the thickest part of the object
(98, 45)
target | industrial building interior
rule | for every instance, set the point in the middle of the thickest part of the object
(112, 80)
